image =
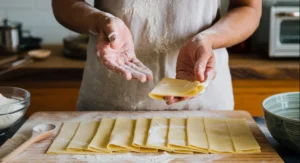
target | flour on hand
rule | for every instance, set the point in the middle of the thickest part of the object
(8, 105)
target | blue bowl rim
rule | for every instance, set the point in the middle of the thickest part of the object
(276, 115)
(20, 102)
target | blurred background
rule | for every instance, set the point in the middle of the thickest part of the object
(37, 17)
(265, 64)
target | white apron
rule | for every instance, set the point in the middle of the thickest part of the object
(159, 29)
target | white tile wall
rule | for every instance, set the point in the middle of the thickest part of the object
(36, 16)
(40, 18)
(43, 4)
(2, 14)
(17, 4)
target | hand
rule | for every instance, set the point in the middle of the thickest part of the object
(115, 49)
(195, 61)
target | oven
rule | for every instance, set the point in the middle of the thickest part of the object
(284, 36)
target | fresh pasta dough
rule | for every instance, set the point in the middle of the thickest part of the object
(177, 139)
(101, 139)
(176, 87)
(83, 136)
(196, 134)
(158, 133)
(61, 142)
(177, 134)
(122, 136)
(219, 139)
(242, 137)
(141, 135)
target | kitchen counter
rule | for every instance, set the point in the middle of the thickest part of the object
(287, 156)
(242, 66)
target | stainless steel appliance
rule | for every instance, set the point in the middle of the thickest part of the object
(10, 36)
(14, 39)
(284, 30)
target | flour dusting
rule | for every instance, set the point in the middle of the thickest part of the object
(163, 157)
(8, 105)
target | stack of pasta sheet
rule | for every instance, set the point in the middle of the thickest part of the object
(175, 134)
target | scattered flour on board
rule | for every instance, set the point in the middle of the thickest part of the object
(134, 115)
(9, 105)
(147, 158)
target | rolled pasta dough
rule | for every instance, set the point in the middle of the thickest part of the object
(219, 139)
(196, 134)
(158, 133)
(177, 139)
(101, 139)
(176, 87)
(84, 135)
(242, 137)
(122, 136)
(141, 134)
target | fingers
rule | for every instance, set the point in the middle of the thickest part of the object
(141, 72)
(142, 68)
(210, 72)
(171, 99)
(125, 70)
(201, 65)
(118, 69)
(135, 72)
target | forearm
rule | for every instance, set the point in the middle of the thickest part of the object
(239, 24)
(78, 16)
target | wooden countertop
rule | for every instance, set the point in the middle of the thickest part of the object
(37, 152)
(242, 66)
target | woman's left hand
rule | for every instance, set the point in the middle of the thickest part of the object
(195, 60)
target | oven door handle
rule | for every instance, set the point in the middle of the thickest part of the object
(288, 14)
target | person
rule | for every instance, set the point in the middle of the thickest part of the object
(144, 41)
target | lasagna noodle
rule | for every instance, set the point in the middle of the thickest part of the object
(101, 139)
(242, 137)
(84, 135)
(60, 143)
(177, 139)
(196, 135)
(141, 134)
(122, 136)
(158, 134)
(176, 87)
(219, 139)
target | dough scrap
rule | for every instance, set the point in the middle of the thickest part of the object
(176, 87)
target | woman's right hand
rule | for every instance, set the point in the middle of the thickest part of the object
(115, 49)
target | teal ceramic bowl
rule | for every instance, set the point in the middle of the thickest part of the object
(283, 119)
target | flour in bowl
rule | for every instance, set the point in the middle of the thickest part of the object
(8, 105)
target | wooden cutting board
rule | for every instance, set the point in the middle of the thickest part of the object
(37, 152)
